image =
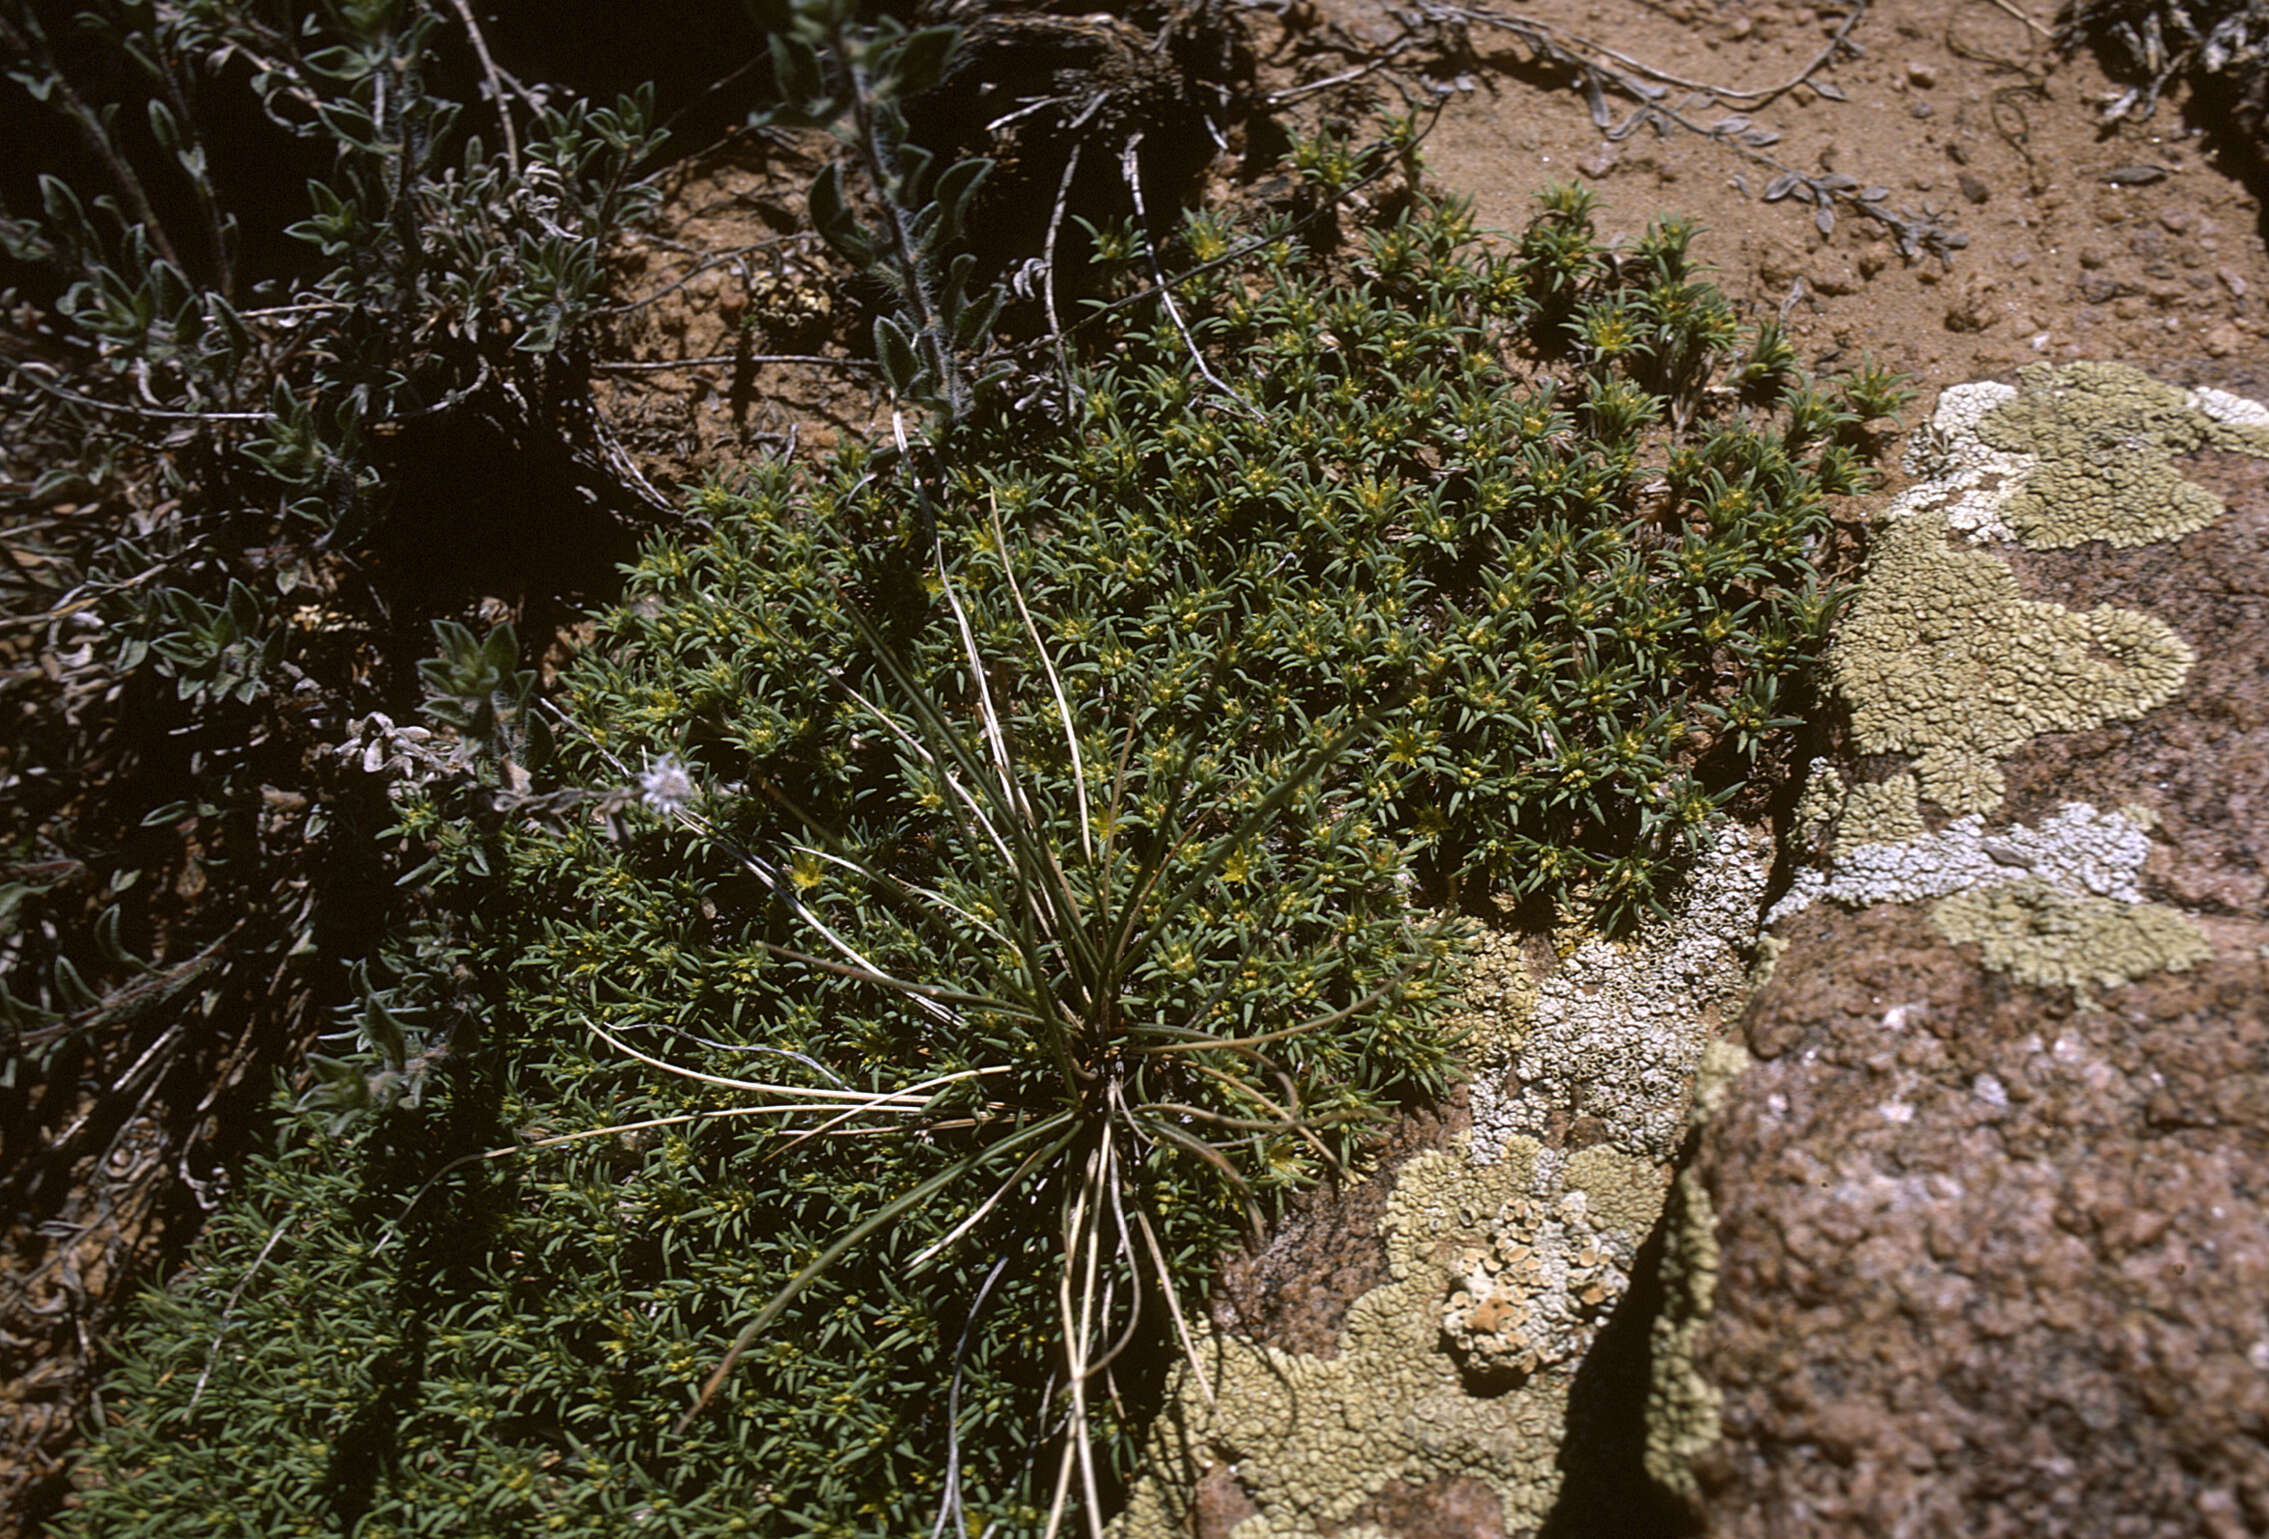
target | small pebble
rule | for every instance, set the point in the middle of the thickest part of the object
(2140, 174)
(1974, 187)
(1921, 74)
(2232, 281)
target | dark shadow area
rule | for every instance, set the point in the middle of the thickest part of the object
(1607, 1492)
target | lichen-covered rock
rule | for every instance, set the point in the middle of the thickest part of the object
(2103, 437)
(1982, 1242)
(1311, 1439)
(1535, 1294)
(1446, 1400)
(1609, 1047)
(1984, 1263)
(1684, 1410)
(1943, 656)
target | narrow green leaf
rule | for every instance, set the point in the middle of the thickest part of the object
(955, 188)
(894, 348)
(919, 61)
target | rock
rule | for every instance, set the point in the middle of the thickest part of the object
(1991, 1243)
(1972, 304)
(1601, 161)
(1986, 1268)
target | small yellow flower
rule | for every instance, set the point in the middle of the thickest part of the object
(807, 870)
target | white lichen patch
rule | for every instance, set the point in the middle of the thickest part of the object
(2231, 410)
(2079, 849)
(2058, 905)
(1959, 479)
(1615, 1034)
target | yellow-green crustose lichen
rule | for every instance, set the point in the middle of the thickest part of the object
(2103, 436)
(1311, 1439)
(1683, 1406)
(1506, 1255)
(1942, 657)
(2042, 935)
(1880, 812)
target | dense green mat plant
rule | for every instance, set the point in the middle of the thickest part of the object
(959, 901)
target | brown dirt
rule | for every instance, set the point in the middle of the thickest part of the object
(730, 273)
(2080, 240)
(1964, 113)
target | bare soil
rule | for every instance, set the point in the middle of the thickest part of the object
(2084, 240)
(2077, 238)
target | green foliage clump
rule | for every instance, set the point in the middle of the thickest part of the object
(834, 67)
(272, 278)
(1506, 498)
(998, 833)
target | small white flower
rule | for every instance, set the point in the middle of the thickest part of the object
(665, 786)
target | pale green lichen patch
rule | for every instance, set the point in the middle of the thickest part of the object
(2043, 936)
(2103, 437)
(1495, 996)
(1883, 812)
(1312, 1438)
(1683, 1406)
(1944, 659)
(1819, 804)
